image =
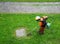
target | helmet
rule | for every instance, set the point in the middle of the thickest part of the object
(37, 18)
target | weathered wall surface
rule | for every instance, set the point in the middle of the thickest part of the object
(29, 7)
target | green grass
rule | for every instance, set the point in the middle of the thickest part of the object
(10, 22)
(29, 0)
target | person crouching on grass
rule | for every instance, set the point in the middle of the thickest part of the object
(42, 23)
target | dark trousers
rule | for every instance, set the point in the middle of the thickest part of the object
(42, 27)
(41, 31)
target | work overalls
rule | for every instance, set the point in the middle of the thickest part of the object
(42, 25)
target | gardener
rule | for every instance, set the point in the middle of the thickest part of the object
(42, 23)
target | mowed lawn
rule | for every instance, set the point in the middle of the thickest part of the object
(29, 0)
(9, 23)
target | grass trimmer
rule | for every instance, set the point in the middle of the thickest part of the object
(30, 33)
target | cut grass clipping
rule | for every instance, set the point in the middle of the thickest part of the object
(9, 23)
